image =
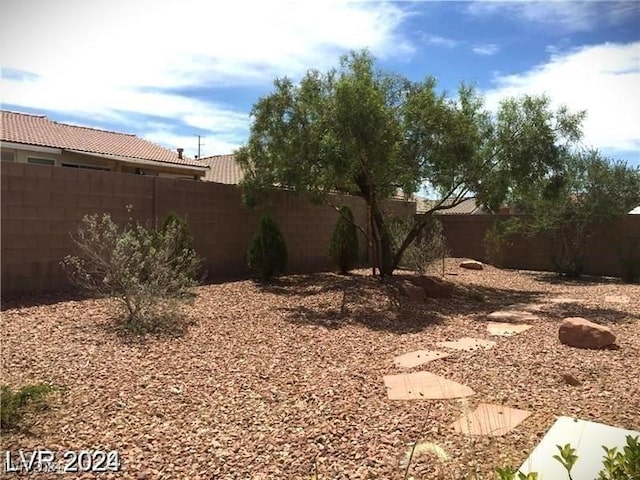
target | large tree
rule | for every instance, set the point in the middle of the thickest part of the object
(368, 133)
(569, 207)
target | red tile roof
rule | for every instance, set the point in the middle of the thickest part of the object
(39, 130)
(223, 169)
(468, 206)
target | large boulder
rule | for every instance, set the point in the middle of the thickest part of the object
(581, 333)
(414, 292)
(472, 265)
(420, 287)
(433, 287)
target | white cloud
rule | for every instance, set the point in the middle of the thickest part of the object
(486, 49)
(602, 79)
(111, 59)
(440, 41)
(560, 15)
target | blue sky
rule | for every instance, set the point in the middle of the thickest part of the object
(169, 71)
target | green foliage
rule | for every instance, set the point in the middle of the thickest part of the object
(630, 260)
(184, 238)
(268, 250)
(344, 248)
(13, 405)
(509, 473)
(425, 249)
(617, 465)
(585, 194)
(146, 273)
(362, 131)
(497, 237)
(567, 457)
(622, 465)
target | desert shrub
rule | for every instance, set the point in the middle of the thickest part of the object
(630, 260)
(268, 251)
(567, 251)
(13, 405)
(496, 238)
(143, 271)
(344, 248)
(425, 249)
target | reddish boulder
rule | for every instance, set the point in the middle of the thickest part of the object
(433, 287)
(420, 287)
(471, 265)
(414, 292)
(581, 333)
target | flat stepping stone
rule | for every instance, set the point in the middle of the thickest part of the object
(563, 300)
(512, 316)
(506, 329)
(616, 299)
(468, 344)
(424, 386)
(418, 357)
(489, 419)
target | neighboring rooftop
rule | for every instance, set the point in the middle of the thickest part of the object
(468, 206)
(223, 169)
(29, 129)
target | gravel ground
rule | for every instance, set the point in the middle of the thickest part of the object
(278, 381)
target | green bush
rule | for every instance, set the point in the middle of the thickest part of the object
(146, 273)
(344, 248)
(13, 405)
(268, 251)
(184, 238)
(425, 249)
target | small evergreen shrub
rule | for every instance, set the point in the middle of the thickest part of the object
(13, 405)
(268, 251)
(344, 248)
(145, 273)
(184, 238)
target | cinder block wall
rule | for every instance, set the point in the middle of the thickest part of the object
(41, 205)
(465, 238)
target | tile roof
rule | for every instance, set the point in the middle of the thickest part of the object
(223, 169)
(38, 130)
(467, 207)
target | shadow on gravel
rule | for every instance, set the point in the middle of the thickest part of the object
(166, 326)
(594, 314)
(380, 305)
(37, 299)
(305, 285)
(583, 281)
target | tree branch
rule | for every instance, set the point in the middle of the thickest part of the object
(337, 209)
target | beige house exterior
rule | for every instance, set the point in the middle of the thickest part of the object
(34, 139)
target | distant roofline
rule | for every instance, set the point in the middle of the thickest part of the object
(45, 142)
(70, 124)
(38, 115)
(217, 155)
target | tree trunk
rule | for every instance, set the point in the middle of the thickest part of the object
(417, 229)
(384, 252)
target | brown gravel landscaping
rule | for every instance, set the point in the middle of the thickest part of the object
(276, 381)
